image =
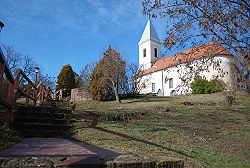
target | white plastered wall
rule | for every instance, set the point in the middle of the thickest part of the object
(148, 61)
(161, 78)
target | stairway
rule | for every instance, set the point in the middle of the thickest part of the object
(46, 120)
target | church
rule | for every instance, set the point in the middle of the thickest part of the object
(173, 75)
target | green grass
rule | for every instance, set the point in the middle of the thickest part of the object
(203, 134)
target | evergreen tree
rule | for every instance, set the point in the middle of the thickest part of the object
(66, 78)
(100, 87)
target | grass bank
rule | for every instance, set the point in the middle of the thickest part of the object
(198, 128)
(8, 137)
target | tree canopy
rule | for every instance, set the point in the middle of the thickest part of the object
(66, 78)
(109, 76)
(100, 87)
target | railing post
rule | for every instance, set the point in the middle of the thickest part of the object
(10, 102)
(35, 97)
(42, 94)
(2, 65)
(45, 93)
(28, 93)
(60, 94)
(50, 94)
(16, 86)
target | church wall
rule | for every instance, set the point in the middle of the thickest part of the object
(148, 79)
(224, 70)
(172, 74)
(157, 79)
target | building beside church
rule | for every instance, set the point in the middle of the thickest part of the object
(173, 75)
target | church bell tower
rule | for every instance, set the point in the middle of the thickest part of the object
(149, 47)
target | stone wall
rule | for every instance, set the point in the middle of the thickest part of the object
(79, 94)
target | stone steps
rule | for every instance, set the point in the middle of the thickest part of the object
(43, 109)
(42, 121)
(35, 119)
(42, 115)
(31, 133)
(40, 126)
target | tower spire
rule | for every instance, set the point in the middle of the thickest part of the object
(149, 33)
(149, 46)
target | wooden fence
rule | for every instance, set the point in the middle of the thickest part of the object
(37, 93)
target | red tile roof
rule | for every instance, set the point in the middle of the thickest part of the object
(205, 50)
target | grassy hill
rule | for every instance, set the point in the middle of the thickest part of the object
(198, 128)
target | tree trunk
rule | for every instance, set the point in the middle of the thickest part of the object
(116, 95)
(116, 91)
(229, 101)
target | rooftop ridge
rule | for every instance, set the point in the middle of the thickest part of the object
(191, 54)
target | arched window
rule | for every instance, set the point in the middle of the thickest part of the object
(144, 52)
(155, 52)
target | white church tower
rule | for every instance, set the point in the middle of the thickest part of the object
(149, 47)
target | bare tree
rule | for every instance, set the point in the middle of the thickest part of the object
(17, 60)
(13, 58)
(190, 22)
(85, 74)
(48, 81)
(134, 74)
(28, 66)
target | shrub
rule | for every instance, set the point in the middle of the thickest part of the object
(203, 86)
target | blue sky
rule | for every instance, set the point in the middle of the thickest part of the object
(75, 32)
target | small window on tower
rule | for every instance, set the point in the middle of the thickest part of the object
(144, 52)
(155, 52)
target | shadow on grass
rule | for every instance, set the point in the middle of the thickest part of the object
(152, 99)
(143, 141)
(94, 123)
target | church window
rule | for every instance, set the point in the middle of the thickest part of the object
(170, 83)
(155, 52)
(144, 52)
(153, 87)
